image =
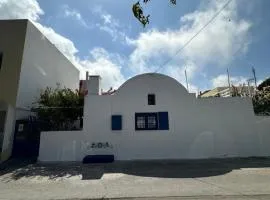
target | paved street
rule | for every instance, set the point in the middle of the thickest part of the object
(198, 179)
(232, 197)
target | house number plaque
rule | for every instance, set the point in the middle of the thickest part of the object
(100, 145)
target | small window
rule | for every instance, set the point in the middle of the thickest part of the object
(1, 59)
(151, 99)
(146, 121)
(116, 122)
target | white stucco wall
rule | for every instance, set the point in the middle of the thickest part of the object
(263, 127)
(198, 128)
(66, 146)
(42, 65)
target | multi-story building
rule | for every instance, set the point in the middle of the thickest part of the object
(29, 62)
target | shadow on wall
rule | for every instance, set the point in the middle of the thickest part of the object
(162, 169)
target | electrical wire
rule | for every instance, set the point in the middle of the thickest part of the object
(194, 36)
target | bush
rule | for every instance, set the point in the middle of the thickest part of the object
(261, 102)
(59, 107)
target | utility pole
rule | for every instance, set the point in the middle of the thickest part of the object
(186, 79)
(229, 81)
(249, 90)
(254, 76)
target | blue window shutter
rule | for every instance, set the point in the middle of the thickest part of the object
(116, 122)
(163, 119)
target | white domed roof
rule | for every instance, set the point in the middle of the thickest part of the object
(152, 81)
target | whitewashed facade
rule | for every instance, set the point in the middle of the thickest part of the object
(185, 127)
(30, 63)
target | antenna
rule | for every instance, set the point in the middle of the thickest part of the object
(186, 79)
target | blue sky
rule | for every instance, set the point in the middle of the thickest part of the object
(103, 37)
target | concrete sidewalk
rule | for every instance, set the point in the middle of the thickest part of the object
(198, 179)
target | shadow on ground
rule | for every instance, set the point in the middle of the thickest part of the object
(163, 169)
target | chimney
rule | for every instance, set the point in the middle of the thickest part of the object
(93, 85)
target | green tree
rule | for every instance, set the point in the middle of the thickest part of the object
(59, 107)
(265, 83)
(138, 12)
(261, 101)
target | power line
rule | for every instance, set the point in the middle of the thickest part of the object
(55, 107)
(194, 36)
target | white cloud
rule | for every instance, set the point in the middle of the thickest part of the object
(110, 25)
(100, 61)
(107, 65)
(74, 14)
(215, 45)
(108, 19)
(222, 80)
(30, 9)
(19, 9)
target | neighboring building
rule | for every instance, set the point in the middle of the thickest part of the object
(213, 93)
(28, 63)
(152, 116)
(243, 91)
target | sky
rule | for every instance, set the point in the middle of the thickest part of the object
(104, 38)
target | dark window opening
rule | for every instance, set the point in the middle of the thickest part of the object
(1, 59)
(152, 121)
(151, 99)
(116, 122)
(163, 121)
(146, 121)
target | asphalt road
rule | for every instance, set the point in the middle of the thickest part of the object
(233, 197)
(198, 179)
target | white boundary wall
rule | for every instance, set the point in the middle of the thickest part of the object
(199, 128)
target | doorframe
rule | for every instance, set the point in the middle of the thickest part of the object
(3, 108)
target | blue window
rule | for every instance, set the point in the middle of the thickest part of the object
(116, 122)
(152, 121)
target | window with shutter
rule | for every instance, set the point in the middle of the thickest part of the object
(116, 122)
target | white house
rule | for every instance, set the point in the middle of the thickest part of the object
(29, 62)
(152, 116)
